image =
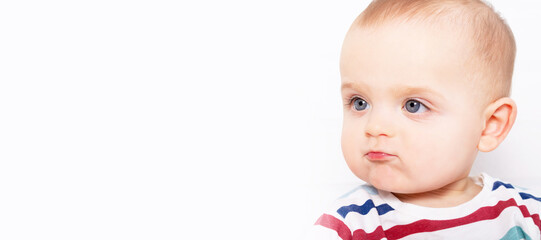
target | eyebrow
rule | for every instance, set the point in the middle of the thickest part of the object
(400, 90)
(420, 90)
(350, 85)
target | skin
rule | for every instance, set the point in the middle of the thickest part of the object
(431, 150)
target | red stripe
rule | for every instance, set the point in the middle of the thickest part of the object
(335, 224)
(535, 217)
(484, 213)
(377, 234)
(400, 231)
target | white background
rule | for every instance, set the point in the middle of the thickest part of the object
(194, 120)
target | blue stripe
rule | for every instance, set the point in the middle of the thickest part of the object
(367, 188)
(525, 196)
(364, 209)
(497, 184)
(350, 192)
(516, 233)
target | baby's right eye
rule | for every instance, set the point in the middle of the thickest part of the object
(359, 104)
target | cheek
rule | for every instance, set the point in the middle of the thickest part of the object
(460, 136)
(351, 142)
(445, 147)
(351, 129)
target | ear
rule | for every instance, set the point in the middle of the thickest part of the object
(499, 117)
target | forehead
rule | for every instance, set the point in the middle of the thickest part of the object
(405, 54)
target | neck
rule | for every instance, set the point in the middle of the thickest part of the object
(451, 195)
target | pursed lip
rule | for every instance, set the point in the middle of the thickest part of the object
(379, 156)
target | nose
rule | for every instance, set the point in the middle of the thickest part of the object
(380, 123)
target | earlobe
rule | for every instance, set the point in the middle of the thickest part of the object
(499, 118)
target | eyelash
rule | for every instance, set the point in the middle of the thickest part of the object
(352, 99)
(349, 101)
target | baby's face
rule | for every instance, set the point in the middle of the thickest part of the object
(412, 118)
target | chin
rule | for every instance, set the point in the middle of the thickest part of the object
(392, 186)
(383, 185)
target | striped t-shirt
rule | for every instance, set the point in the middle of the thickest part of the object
(499, 211)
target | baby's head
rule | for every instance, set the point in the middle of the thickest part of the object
(425, 86)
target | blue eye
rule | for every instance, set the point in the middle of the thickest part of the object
(359, 104)
(414, 106)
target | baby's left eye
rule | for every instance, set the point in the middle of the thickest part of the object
(414, 106)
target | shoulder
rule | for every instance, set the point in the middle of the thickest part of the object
(503, 190)
(356, 211)
(524, 204)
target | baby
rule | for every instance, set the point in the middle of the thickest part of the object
(425, 86)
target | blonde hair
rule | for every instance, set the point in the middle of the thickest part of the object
(493, 40)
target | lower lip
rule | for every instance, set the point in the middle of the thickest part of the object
(379, 156)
